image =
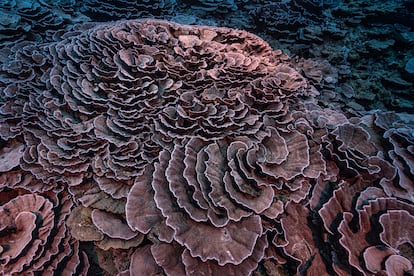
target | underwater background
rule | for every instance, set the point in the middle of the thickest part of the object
(359, 57)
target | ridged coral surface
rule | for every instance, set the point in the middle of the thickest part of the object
(153, 147)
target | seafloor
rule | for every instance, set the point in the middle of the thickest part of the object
(207, 137)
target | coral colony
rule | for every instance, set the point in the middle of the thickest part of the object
(149, 147)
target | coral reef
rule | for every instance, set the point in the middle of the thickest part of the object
(36, 20)
(147, 147)
(368, 44)
(112, 10)
(283, 19)
(154, 147)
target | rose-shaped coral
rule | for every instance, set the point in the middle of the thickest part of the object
(222, 190)
(204, 140)
(399, 133)
(109, 102)
(370, 250)
(34, 237)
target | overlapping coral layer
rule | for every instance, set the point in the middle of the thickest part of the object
(144, 147)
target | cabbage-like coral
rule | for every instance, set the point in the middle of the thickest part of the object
(203, 139)
(34, 236)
